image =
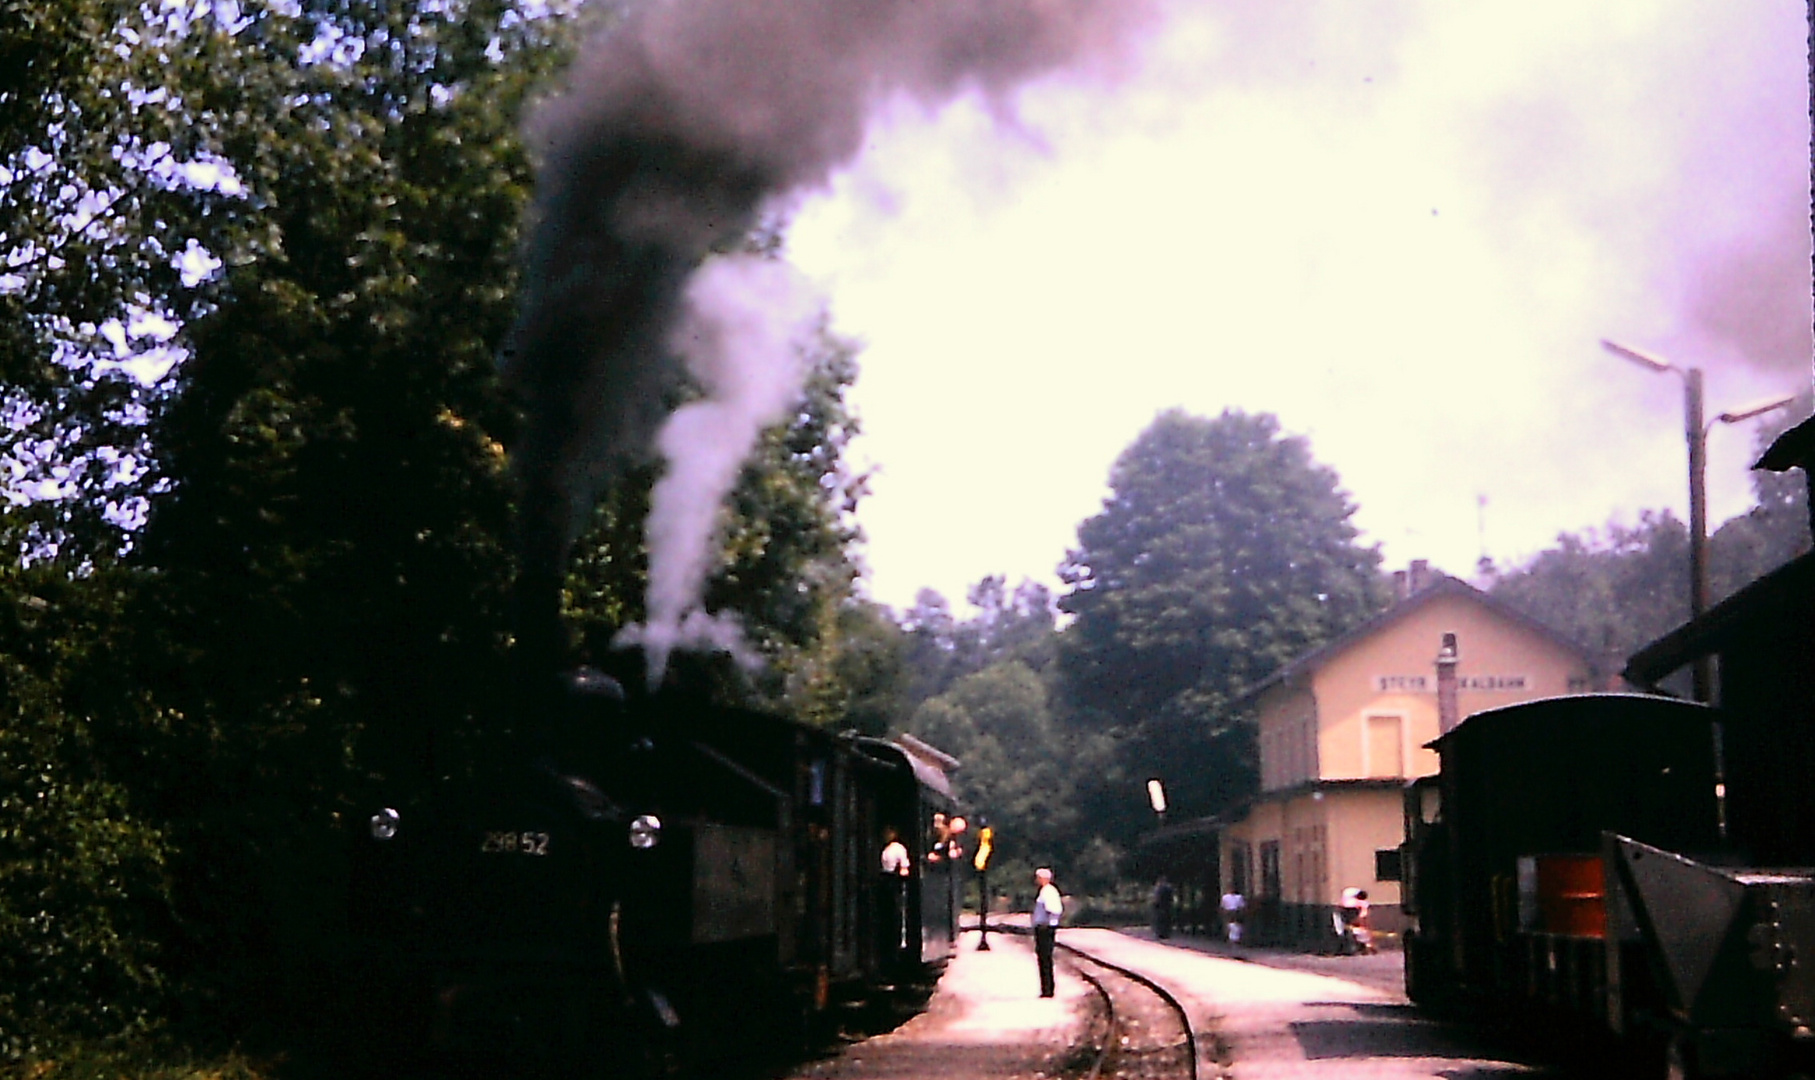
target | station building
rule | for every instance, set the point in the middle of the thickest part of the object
(1344, 727)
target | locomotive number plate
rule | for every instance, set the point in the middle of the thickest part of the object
(514, 843)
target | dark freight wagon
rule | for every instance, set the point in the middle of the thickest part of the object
(1638, 865)
(1503, 856)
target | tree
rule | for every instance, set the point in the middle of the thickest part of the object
(322, 576)
(871, 667)
(317, 601)
(1619, 588)
(1016, 761)
(1009, 625)
(1222, 552)
(83, 879)
(109, 179)
(1611, 590)
(1776, 528)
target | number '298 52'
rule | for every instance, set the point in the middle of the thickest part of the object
(514, 843)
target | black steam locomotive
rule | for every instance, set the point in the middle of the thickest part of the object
(1642, 865)
(656, 881)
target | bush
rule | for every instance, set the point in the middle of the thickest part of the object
(139, 1059)
(82, 880)
(77, 874)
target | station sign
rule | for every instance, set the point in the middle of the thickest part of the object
(1427, 684)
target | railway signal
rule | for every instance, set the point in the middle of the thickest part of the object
(986, 842)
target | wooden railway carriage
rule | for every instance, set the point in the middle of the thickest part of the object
(660, 878)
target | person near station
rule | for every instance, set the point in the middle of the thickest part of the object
(1163, 898)
(1047, 909)
(1233, 905)
(1358, 936)
(892, 908)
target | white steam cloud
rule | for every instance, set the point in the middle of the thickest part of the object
(741, 336)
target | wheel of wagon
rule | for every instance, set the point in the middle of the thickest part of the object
(1679, 1058)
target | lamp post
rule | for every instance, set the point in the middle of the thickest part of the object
(1695, 430)
(1156, 798)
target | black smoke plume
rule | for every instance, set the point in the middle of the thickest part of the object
(676, 129)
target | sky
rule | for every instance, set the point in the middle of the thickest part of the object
(1401, 226)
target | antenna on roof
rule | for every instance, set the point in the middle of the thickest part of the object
(1484, 566)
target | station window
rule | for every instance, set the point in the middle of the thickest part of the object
(1384, 751)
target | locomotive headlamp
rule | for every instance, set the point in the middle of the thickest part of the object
(645, 831)
(384, 824)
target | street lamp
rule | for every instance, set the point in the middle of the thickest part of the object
(1757, 408)
(1695, 430)
(1156, 798)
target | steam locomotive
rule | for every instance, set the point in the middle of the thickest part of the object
(659, 883)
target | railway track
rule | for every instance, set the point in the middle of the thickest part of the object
(1145, 1033)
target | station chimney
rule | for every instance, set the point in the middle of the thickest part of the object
(1448, 710)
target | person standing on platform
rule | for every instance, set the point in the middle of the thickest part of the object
(1162, 908)
(1047, 909)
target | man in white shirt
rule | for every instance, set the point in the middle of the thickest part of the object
(1047, 909)
(891, 904)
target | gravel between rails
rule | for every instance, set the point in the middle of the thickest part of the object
(1144, 1033)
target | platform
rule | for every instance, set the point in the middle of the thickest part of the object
(987, 1021)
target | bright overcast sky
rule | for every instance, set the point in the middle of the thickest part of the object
(1400, 226)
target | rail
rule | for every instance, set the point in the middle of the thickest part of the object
(1113, 1041)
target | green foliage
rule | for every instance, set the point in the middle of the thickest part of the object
(1223, 551)
(319, 205)
(1009, 625)
(1611, 590)
(1776, 528)
(1619, 588)
(82, 876)
(327, 571)
(99, 125)
(786, 567)
(1016, 760)
(871, 668)
(317, 598)
(141, 1059)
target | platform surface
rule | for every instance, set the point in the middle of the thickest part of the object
(987, 1021)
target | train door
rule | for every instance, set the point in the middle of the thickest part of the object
(847, 847)
(948, 846)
